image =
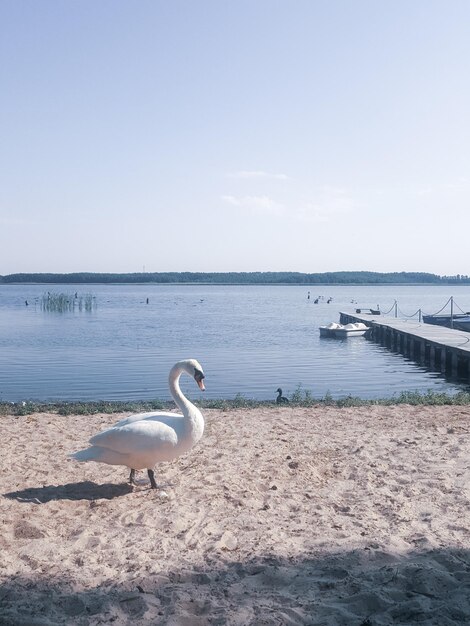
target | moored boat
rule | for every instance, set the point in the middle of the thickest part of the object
(459, 321)
(356, 329)
(329, 329)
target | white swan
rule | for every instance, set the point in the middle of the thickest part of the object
(140, 441)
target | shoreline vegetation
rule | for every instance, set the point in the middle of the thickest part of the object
(299, 398)
(241, 278)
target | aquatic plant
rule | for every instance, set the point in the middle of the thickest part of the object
(349, 401)
(303, 397)
(432, 398)
(64, 302)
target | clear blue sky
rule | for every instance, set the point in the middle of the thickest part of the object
(242, 135)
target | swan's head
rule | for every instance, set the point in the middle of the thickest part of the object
(279, 390)
(194, 369)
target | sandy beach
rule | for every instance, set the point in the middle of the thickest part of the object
(321, 516)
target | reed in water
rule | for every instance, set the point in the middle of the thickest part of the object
(64, 302)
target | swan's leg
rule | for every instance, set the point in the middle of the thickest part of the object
(132, 477)
(152, 479)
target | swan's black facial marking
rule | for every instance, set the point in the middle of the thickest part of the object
(199, 377)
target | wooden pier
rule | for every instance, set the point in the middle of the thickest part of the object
(441, 349)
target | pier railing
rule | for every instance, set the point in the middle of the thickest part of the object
(419, 313)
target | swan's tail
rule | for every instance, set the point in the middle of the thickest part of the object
(84, 455)
(100, 455)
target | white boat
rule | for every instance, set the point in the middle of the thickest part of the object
(329, 330)
(356, 329)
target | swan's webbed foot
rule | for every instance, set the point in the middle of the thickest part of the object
(132, 477)
(152, 479)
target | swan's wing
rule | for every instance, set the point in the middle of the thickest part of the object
(156, 416)
(137, 437)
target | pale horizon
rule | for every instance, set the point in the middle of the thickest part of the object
(253, 136)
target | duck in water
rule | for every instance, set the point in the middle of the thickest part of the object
(280, 398)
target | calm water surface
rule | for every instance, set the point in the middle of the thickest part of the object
(249, 339)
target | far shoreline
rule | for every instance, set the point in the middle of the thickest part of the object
(281, 278)
(241, 284)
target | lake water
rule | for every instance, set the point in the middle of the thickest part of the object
(249, 339)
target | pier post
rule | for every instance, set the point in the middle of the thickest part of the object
(407, 346)
(442, 360)
(454, 366)
(402, 343)
(463, 368)
(427, 352)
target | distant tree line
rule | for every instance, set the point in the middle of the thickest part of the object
(243, 278)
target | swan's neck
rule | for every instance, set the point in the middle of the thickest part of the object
(192, 415)
(186, 407)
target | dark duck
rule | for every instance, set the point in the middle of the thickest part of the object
(280, 398)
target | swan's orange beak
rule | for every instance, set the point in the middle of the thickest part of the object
(199, 378)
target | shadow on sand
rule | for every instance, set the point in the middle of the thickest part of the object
(363, 587)
(85, 490)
